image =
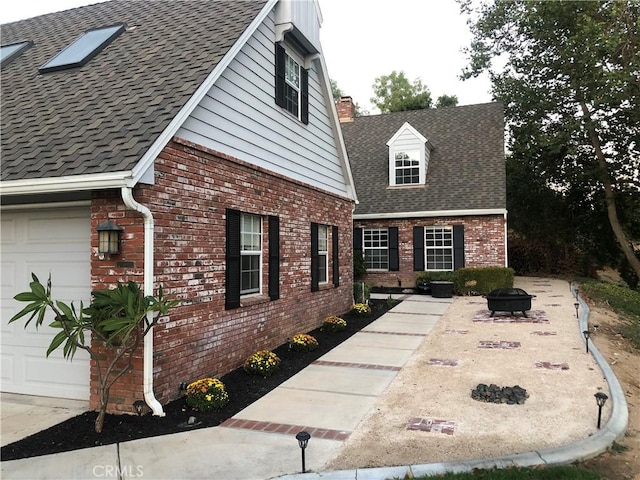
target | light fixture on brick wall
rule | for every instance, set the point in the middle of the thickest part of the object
(109, 238)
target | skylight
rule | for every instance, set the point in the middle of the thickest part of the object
(83, 48)
(12, 51)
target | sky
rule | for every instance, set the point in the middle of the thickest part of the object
(364, 39)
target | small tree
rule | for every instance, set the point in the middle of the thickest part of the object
(116, 319)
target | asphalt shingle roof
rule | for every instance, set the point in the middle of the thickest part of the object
(466, 169)
(104, 116)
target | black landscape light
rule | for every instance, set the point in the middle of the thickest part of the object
(576, 305)
(601, 398)
(303, 441)
(586, 338)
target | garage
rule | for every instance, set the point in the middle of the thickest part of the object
(44, 241)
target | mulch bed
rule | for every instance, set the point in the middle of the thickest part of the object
(244, 389)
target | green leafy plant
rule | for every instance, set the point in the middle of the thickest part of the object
(207, 394)
(362, 309)
(262, 362)
(117, 319)
(361, 292)
(333, 324)
(303, 342)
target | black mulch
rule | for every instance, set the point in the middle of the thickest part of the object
(77, 432)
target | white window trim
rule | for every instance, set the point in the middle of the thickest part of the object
(421, 144)
(300, 62)
(427, 248)
(324, 228)
(392, 166)
(365, 248)
(245, 293)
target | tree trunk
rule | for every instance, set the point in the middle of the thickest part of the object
(610, 201)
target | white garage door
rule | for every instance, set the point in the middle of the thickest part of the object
(52, 241)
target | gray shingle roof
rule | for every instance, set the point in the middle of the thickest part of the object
(103, 117)
(466, 170)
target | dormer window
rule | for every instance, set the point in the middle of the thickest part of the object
(83, 49)
(292, 84)
(408, 157)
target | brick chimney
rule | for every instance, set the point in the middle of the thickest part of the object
(346, 109)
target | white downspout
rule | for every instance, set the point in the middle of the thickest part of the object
(506, 234)
(149, 397)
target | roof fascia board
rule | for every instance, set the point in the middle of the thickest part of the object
(194, 101)
(431, 214)
(407, 126)
(74, 183)
(337, 132)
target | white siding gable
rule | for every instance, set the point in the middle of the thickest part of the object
(409, 143)
(239, 117)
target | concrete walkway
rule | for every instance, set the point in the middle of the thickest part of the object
(328, 399)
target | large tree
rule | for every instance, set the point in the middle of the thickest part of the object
(569, 75)
(395, 93)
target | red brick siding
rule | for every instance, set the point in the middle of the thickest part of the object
(484, 244)
(200, 338)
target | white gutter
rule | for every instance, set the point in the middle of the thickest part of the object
(149, 397)
(72, 183)
(506, 250)
(432, 213)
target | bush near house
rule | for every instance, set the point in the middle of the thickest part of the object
(471, 281)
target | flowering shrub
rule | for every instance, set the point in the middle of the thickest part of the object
(207, 394)
(303, 342)
(362, 309)
(263, 362)
(333, 324)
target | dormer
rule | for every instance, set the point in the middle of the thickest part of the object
(298, 23)
(409, 153)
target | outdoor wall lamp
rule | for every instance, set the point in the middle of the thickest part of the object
(303, 440)
(576, 305)
(109, 238)
(586, 338)
(601, 398)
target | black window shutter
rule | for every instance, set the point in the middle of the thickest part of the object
(357, 239)
(418, 249)
(274, 258)
(315, 259)
(232, 272)
(394, 257)
(458, 246)
(280, 56)
(336, 256)
(304, 96)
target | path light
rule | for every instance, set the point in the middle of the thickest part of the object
(576, 305)
(303, 440)
(601, 398)
(586, 338)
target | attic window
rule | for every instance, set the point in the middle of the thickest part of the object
(13, 51)
(83, 49)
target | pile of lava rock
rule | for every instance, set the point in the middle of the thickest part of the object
(495, 394)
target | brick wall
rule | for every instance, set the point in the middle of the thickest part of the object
(200, 338)
(484, 245)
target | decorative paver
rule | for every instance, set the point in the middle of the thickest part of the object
(533, 316)
(498, 344)
(544, 334)
(398, 333)
(285, 429)
(366, 366)
(456, 332)
(552, 366)
(442, 362)
(432, 425)
(552, 305)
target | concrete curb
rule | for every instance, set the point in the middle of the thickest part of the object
(584, 449)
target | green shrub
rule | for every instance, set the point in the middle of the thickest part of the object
(263, 362)
(303, 342)
(361, 292)
(207, 394)
(480, 281)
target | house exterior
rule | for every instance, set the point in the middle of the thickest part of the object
(205, 134)
(431, 190)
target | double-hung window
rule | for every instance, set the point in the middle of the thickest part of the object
(323, 253)
(439, 248)
(376, 248)
(407, 167)
(250, 253)
(292, 86)
(292, 83)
